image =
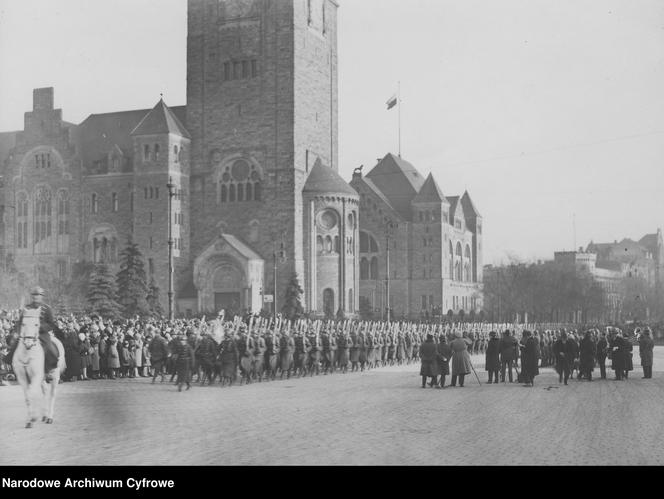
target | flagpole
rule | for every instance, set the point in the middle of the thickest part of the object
(399, 104)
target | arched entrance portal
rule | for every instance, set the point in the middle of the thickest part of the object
(328, 302)
(227, 286)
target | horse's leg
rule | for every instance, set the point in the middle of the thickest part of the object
(22, 378)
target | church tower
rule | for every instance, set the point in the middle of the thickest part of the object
(261, 110)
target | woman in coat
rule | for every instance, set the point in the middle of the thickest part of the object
(629, 348)
(461, 365)
(492, 362)
(429, 364)
(112, 357)
(529, 359)
(72, 356)
(84, 348)
(617, 348)
(444, 355)
(147, 364)
(138, 355)
(646, 346)
(94, 355)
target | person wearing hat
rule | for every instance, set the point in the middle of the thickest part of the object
(564, 353)
(46, 324)
(492, 361)
(461, 365)
(444, 352)
(646, 346)
(508, 354)
(429, 362)
(602, 351)
(587, 356)
(529, 359)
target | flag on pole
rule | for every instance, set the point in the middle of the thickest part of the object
(392, 102)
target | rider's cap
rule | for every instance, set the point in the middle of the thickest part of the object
(37, 291)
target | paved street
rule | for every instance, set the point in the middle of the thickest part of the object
(381, 417)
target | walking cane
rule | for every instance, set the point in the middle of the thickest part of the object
(473, 368)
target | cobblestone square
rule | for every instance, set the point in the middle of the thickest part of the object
(380, 417)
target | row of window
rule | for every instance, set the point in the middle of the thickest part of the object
(153, 153)
(240, 70)
(241, 192)
(43, 160)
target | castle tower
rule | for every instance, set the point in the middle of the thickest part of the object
(429, 209)
(161, 150)
(261, 109)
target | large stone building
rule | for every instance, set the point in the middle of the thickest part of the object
(253, 164)
(434, 244)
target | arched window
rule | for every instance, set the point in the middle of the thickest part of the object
(175, 153)
(257, 191)
(457, 271)
(459, 252)
(224, 193)
(319, 244)
(466, 272)
(364, 269)
(451, 259)
(337, 247)
(156, 152)
(374, 268)
(95, 203)
(240, 192)
(249, 191)
(328, 244)
(22, 221)
(467, 252)
(231, 195)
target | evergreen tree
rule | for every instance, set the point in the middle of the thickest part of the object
(132, 281)
(293, 309)
(101, 293)
(153, 300)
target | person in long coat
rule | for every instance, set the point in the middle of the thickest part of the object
(112, 357)
(147, 362)
(492, 362)
(529, 359)
(138, 355)
(94, 355)
(646, 346)
(72, 356)
(229, 359)
(159, 355)
(461, 365)
(84, 348)
(444, 355)
(184, 363)
(286, 352)
(618, 347)
(429, 364)
(629, 362)
(602, 351)
(563, 350)
(587, 354)
(508, 355)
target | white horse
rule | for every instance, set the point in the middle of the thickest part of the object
(28, 365)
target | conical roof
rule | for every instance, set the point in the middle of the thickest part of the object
(430, 192)
(399, 181)
(325, 180)
(160, 120)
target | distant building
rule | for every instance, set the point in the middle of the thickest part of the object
(434, 243)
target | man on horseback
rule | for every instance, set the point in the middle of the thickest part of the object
(46, 324)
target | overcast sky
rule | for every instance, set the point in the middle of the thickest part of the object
(541, 109)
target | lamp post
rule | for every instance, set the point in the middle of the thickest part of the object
(171, 294)
(389, 226)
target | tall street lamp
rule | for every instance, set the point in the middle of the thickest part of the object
(171, 294)
(389, 227)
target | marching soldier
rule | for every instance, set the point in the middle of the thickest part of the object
(258, 363)
(286, 352)
(228, 354)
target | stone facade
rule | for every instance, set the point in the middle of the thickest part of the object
(261, 113)
(435, 244)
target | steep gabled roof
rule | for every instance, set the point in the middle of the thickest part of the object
(454, 203)
(651, 242)
(325, 180)
(399, 181)
(160, 120)
(101, 132)
(430, 192)
(377, 192)
(468, 206)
